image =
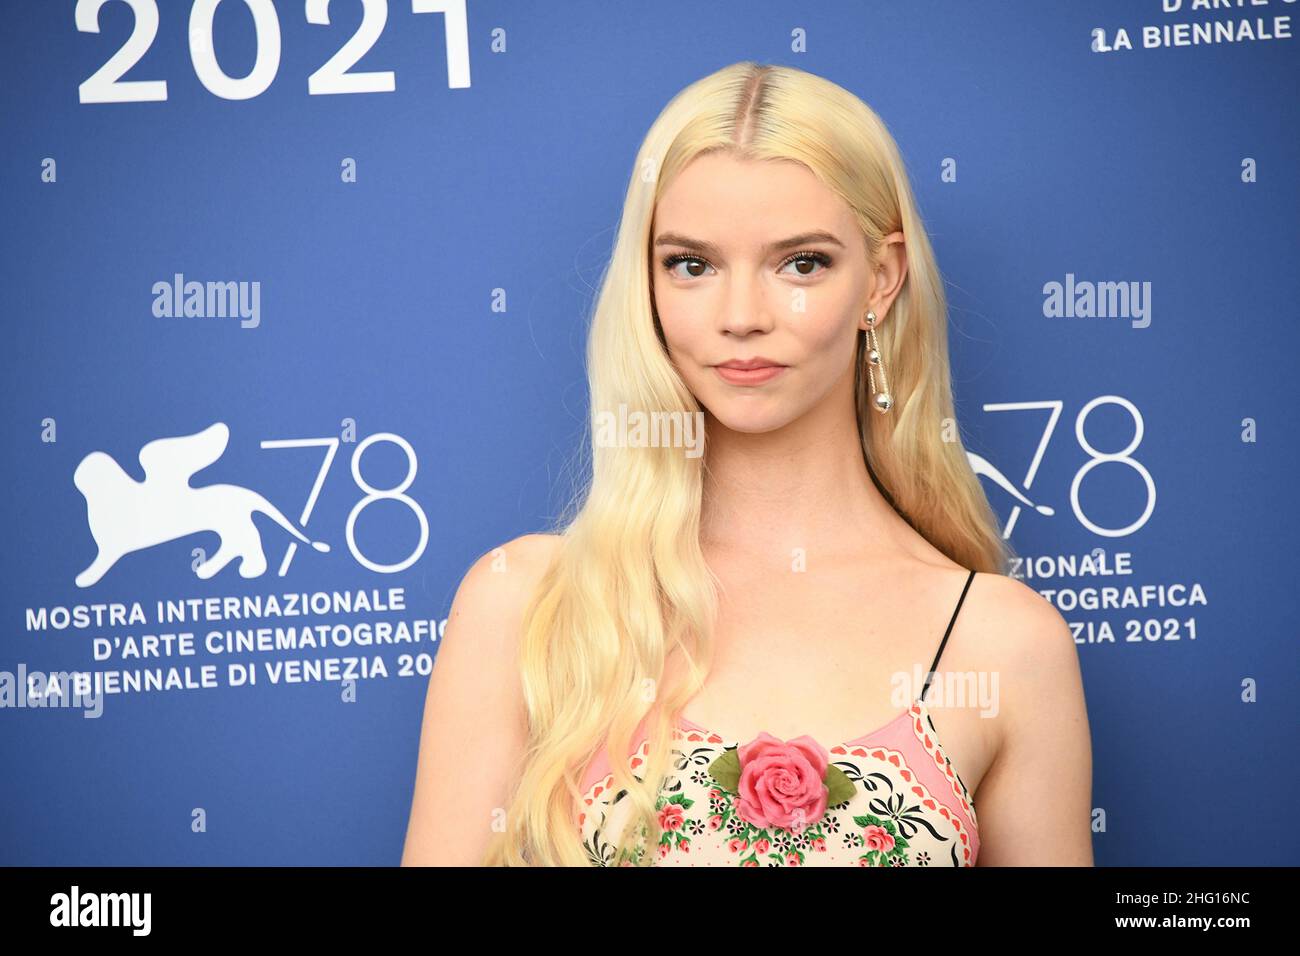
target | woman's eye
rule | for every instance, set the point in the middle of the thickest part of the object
(805, 264)
(695, 267)
(805, 261)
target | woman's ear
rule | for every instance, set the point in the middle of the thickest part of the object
(888, 273)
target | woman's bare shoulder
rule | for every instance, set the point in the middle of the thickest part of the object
(502, 578)
(1042, 756)
(532, 549)
(1027, 648)
(487, 611)
(474, 704)
(1018, 624)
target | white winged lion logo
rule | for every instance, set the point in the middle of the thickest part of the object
(126, 515)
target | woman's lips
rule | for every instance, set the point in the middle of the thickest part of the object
(749, 376)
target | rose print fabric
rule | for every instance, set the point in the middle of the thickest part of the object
(889, 798)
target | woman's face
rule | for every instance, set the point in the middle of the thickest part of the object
(760, 263)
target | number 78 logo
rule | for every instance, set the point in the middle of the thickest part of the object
(396, 493)
(986, 469)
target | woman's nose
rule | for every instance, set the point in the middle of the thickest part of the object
(746, 309)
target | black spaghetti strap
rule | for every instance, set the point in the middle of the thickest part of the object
(934, 665)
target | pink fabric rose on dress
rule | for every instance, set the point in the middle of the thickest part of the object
(782, 782)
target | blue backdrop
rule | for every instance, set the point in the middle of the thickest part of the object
(396, 364)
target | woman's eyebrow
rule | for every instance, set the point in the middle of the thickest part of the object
(803, 239)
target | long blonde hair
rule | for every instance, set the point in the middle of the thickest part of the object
(628, 585)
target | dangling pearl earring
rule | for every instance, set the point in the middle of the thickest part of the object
(881, 399)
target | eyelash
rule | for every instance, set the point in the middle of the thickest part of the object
(819, 257)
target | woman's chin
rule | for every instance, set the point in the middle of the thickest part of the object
(733, 416)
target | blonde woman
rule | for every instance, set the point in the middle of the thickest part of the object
(721, 659)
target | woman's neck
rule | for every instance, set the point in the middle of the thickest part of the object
(805, 485)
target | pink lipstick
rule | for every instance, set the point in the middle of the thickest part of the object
(754, 371)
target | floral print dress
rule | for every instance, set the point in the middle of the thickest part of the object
(888, 798)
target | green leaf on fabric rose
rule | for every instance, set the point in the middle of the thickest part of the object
(840, 786)
(726, 770)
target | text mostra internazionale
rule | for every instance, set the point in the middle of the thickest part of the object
(216, 608)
